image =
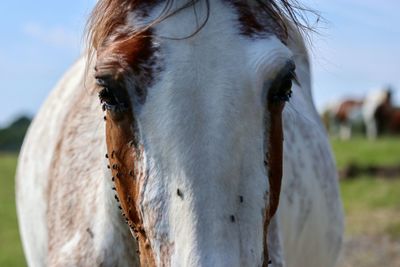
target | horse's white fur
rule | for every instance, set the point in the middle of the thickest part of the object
(373, 100)
(34, 174)
(34, 166)
(202, 128)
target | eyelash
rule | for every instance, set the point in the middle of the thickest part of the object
(110, 102)
(281, 89)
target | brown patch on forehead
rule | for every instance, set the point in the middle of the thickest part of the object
(125, 155)
(122, 50)
(259, 20)
(131, 58)
(108, 19)
(126, 52)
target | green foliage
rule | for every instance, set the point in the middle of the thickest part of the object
(11, 137)
(10, 246)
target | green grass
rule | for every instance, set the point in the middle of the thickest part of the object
(384, 151)
(372, 204)
(371, 193)
(10, 246)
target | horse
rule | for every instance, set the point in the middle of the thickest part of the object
(387, 116)
(204, 148)
(341, 116)
(379, 114)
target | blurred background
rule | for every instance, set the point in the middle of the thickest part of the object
(356, 79)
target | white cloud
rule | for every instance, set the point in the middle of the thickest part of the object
(57, 36)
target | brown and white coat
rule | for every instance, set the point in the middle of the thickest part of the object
(182, 155)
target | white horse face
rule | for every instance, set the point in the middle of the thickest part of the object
(187, 128)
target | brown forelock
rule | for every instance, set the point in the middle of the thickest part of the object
(271, 17)
(129, 55)
(259, 20)
(109, 16)
(125, 158)
(108, 20)
(274, 167)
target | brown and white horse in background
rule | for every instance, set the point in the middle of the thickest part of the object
(182, 165)
(341, 116)
(380, 115)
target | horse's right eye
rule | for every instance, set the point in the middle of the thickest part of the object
(107, 98)
(111, 96)
(281, 88)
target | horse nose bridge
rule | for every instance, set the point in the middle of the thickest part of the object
(214, 239)
(215, 221)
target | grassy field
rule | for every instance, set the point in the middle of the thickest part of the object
(10, 245)
(375, 197)
(372, 204)
(372, 207)
(385, 151)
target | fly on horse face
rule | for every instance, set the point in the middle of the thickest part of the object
(205, 124)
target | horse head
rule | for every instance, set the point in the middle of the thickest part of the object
(193, 93)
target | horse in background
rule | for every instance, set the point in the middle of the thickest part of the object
(170, 143)
(375, 115)
(341, 117)
(379, 113)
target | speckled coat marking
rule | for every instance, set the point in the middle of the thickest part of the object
(157, 167)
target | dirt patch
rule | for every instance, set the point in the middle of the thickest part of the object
(370, 251)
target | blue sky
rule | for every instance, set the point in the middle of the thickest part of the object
(358, 49)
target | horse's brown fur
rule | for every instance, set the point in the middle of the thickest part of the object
(274, 167)
(124, 156)
(345, 108)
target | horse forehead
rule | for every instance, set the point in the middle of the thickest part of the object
(233, 34)
(251, 20)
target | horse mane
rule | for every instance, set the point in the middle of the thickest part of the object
(108, 17)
